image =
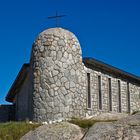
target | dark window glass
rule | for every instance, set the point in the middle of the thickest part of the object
(128, 98)
(110, 94)
(119, 95)
(100, 92)
(89, 91)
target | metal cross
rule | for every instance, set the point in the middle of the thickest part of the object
(56, 17)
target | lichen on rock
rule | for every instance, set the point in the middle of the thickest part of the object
(58, 131)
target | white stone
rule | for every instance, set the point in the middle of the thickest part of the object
(60, 120)
(72, 84)
(50, 122)
(59, 55)
(41, 48)
(51, 92)
(64, 79)
(65, 65)
(74, 48)
(63, 59)
(61, 43)
(67, 109)
(55, 72)
(63, 90)
(30, 122)
(70, 56)
(54, 43)
(45, 123)
(72, 72)
(58, 83)
(66, 55)
(67, 85)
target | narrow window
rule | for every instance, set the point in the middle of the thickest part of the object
(119, 96)
(89, 91)
(100, 92)
(110, 94)
(128, 98)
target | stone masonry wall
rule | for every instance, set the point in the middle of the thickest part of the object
(134, 97)
(59, 76)
(134, 90)
(60, 80)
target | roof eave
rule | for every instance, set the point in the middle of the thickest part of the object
(93, 63)
(17, 83)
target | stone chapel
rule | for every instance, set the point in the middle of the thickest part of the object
(59, 84)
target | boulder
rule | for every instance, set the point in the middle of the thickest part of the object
(109, 116)
(124, 129)
(58, 131)
(127, 128)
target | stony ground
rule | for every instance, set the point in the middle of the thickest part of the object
(127, 128)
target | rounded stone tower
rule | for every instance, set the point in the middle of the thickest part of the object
(58, 73)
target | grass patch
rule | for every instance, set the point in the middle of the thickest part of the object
(86, 123)
(15, 130)
(135, 112)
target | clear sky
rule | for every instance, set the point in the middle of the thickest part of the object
(108, 30)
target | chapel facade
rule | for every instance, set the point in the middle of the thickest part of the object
(59, 84)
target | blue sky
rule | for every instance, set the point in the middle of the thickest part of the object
(108, 30)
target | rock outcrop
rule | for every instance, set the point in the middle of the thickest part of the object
(127, 128)
(109, 116)
(58, 131)
(124, 129)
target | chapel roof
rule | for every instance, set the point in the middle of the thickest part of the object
(118, 73)
(17, 83)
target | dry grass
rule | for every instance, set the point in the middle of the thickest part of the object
(15, 130)
(87, 123)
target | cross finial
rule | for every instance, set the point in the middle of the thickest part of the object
(57, 16)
